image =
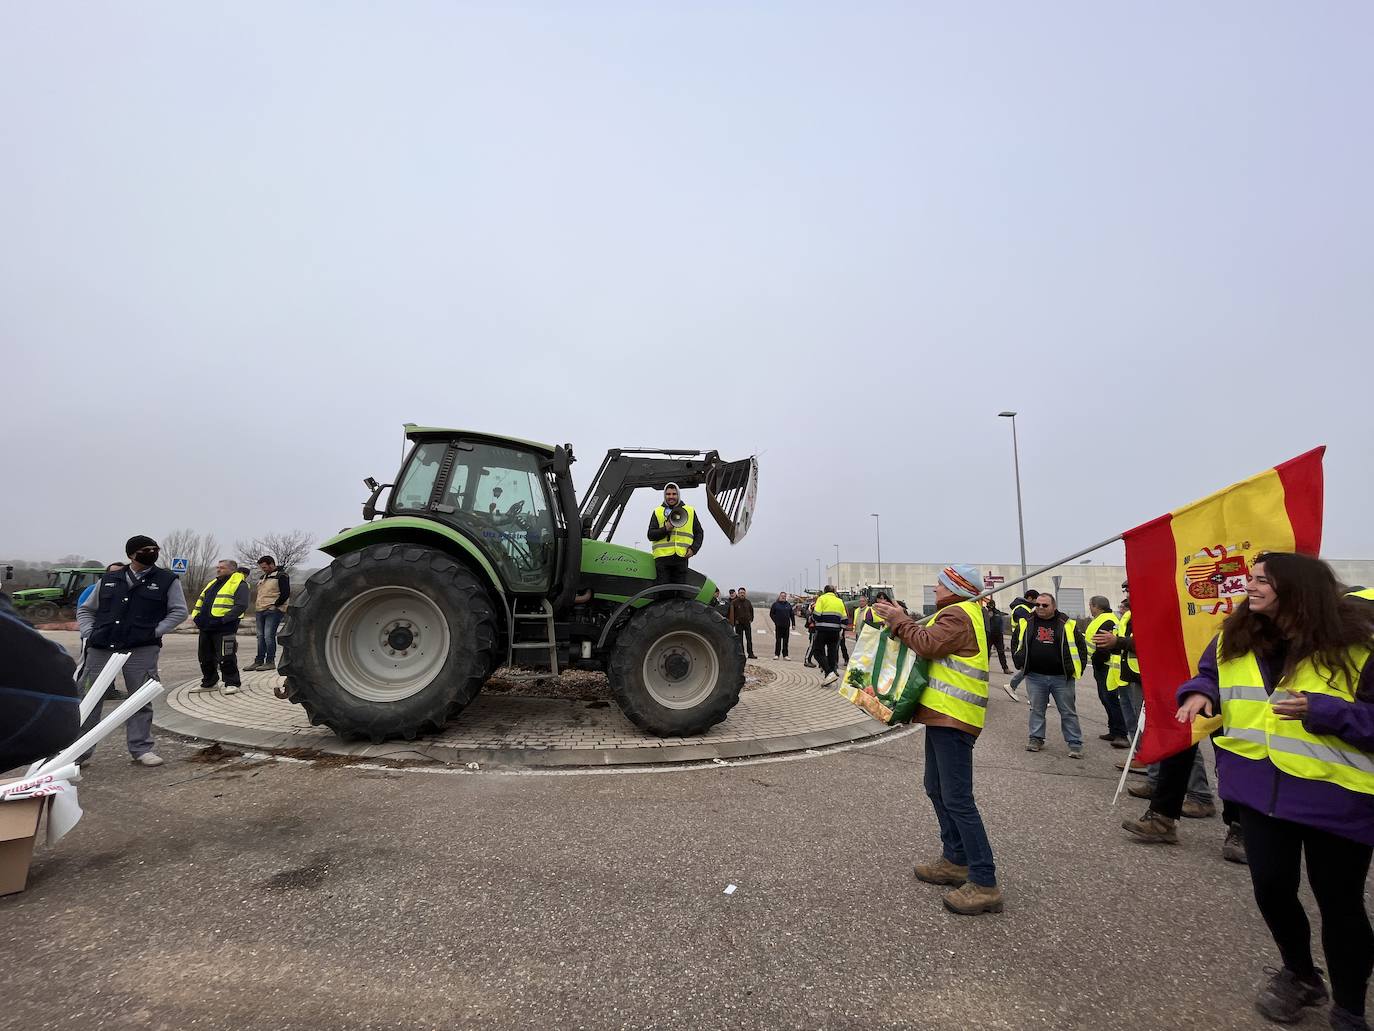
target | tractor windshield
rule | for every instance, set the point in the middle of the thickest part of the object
(496, 495)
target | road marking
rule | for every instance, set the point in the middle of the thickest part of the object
(599, 771)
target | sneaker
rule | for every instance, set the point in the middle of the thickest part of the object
(1120, 742)
(1139, 790)
(1011, 692)
(148, 759)
(970, 899)
(202, 687)
(1233, 848)
(942, 871)
(809, 665)
(1153, 827)
(829, 679)
(1106, 737)
(1034, 745)
(1198, 810)
(231, 689)
(1286, 995)
(1343, 1020)
(1075, 753)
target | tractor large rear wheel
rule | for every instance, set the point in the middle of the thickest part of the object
(676, 669)
(388, 641)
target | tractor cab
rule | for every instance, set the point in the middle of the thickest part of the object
(499, 494)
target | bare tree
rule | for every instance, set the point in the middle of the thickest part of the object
(288, 548)
(200, 550)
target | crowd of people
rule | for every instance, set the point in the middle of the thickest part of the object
(1289, 674)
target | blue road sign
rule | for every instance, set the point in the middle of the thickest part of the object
(180, 565)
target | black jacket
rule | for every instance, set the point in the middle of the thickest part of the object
(1059, 622)
(783, 614)
(39, 706)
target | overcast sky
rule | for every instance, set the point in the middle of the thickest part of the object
(240, 245)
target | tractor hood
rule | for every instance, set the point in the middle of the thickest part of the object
(36, 594)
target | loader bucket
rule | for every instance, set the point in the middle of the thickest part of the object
(731, 492)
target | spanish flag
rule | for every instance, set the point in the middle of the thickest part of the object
(1188, 570)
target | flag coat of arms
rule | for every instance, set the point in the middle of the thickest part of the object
(1187, 572)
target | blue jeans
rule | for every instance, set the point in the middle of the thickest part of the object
(1042, 686)
(1131, 698)
(949, 784)
(268, 621)
(1111, 703)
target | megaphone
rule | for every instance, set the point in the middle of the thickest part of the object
(676, 516)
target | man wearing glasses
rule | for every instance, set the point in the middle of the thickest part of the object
(1052, 653)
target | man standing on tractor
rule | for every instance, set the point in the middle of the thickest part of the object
(216, 614)
(675, 533)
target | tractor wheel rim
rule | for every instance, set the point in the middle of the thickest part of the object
(681, 670)
(387, 644)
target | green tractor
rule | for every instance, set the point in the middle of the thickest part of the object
(64, 587)
(482, 558)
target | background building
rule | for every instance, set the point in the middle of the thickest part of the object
(1072, 585)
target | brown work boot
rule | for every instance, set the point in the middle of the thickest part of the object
(1136, 766)
(942, 871)
(1139, 790)
(970, 899)
(1198, 810)
(1153, 827)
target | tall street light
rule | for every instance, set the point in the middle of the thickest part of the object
(877, 533)
(819, 581)
(837, 563)
(1016, 462)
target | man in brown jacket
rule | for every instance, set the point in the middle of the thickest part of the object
(741, 617)
(955, 640)
(270, 606)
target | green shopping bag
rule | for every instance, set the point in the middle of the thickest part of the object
(883, 680)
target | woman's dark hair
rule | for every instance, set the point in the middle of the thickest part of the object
(1315, 618)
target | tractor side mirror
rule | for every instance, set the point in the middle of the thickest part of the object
(370, 505)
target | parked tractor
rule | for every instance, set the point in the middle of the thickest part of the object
(64, 587)
(481, 558)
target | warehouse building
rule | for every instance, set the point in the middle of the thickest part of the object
(1072, 585)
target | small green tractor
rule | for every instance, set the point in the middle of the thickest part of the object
(483, 558)
(64, 587)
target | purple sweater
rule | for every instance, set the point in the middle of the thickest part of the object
(1261, 785)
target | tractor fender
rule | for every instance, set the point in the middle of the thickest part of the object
(409, 530)
(644, 595)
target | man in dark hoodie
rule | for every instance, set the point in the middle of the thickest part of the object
(784, 619)
(216, 614)
(742, 619)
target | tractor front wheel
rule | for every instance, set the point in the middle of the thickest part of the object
(676, 669)
(388, 641)
(43, 612)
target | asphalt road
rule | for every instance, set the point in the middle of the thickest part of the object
(245, 895)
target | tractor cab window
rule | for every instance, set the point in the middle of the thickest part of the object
(503, 504)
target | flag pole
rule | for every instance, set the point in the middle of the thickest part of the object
(1045, 569)
(1130, 755)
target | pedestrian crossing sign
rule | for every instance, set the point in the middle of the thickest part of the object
(180, 565)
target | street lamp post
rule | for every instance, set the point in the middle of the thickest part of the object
(877, 533)
(837, 563)
(819, 579)
(1016, 463)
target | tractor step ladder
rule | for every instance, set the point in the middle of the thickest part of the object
(550, 641)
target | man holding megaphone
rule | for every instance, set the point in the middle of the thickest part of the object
(675, 533)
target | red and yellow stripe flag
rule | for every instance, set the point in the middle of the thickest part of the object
(1187, 571)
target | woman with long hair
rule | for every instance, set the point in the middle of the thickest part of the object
(1290, 673)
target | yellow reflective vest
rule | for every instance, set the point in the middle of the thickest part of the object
(224, 600)
(864, 614)
(829, 612)
(1366, 593)
(1250, 728)
(1114, 660)
(959, 683)
(1114, 677)
(679, 539)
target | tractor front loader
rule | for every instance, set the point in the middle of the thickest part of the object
(481, 557)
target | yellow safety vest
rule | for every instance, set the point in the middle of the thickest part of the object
(1250, 728)
(959, 683)
(679, 538)
(1367, 594)
(1114, 660)
(863, 614)
(1114, 679)
(224, 600)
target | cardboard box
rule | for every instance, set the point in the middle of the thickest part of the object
(18, 829)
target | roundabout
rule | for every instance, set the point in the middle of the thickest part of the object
(790, 713)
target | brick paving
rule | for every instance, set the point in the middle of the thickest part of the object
(792, 712)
